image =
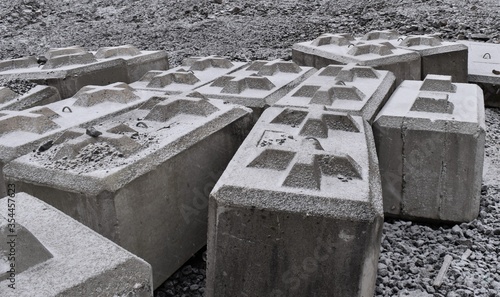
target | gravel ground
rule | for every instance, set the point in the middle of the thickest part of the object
(412, 253)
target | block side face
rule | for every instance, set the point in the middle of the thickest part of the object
(461, 192)
(171, 216)
(451, 63)
(279, 245)
(483, 61)
(389, 142)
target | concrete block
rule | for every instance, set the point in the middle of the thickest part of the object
(356, 90)
(297, 212)
(437, 56)
(194, 73)
(39, 95)
(430, 143)
(69, 69)
(24, 131)
(144, 182)
(258, 84)
(484, 69)
(330, 49)
(54, 255)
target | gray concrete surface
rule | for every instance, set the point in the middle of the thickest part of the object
(356, 90)
(69, 69)
(24, 131)
(430, 142)
(257, 85)
(144, 182)
(437, 56)
(193, 73)
(484, 69)
(344, 49)
(55, 255)
(39, 95)
(297, 212)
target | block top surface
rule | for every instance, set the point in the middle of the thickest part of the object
(339, 88)
(195, 72)
(57, 247)
(436, 98)
(256, 83)
(129, 144)
(75, 58)
(484, 62)
(21, 131)
(301, 159)
(346, 49)
(429, 44)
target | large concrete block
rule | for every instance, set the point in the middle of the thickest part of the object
(430, 143)
(484, 69)
(437, 56)
(144, 182)
(258, 84)
(69, 69)
(356, 90)
(39, 95)
(298, 211)
(344, 49)
(24, 131)
(43, 252)
(194, 73)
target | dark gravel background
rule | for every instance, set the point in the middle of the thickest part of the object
(412, 253)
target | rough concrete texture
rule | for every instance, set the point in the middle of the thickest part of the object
(484, 69)
(57, 256)
(144, 182)
(356, 90)
(258, 84)
(437, 56)
(297, 212)
(194, 73)
(69, 69)
(430, 142)
(343, 49)
(24, 131)
(39, 95)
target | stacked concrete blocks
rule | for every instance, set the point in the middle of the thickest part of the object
(298, 211)
(144, 182)
(430, 142)
(344, 49)
(356, 90)
(194, 73)
(24, 131)
(258, 84)
(69, 69)
(39, 95)
(437, 56)
(484, 69)
(57, 256)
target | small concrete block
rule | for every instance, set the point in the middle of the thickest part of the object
(259, 84)
(194, 73)
(484, 69)
(302, 201)
(344, 49)
(26, 130)
(356, 90)
(39, 95)
(430, 143)
(57, 256)
(71, 68)
(169, 156)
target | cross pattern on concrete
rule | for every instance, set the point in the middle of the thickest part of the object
(302, 157)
